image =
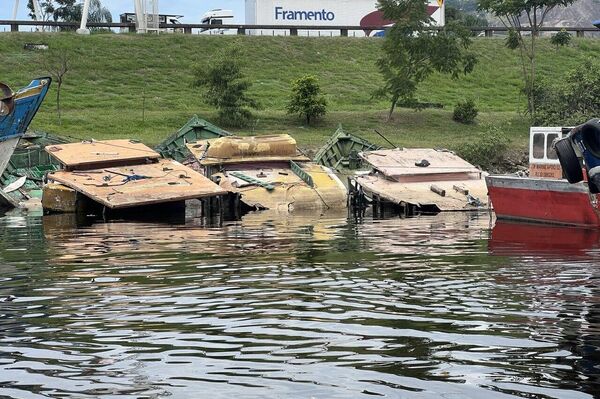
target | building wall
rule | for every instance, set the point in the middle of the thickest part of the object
(322, 12)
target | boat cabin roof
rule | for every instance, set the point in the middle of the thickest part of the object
(236, 149)
(92, 154)
(402, 164)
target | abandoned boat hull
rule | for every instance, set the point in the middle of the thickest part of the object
(18, 110)
(458, 195)
(282, 189)
(7, 147)
(269, 172)
(543, 200)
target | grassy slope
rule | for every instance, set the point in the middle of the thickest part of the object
(114, 75)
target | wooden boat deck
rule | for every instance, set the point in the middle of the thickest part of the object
(136, 185)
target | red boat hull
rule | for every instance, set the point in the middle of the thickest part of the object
(542, 200)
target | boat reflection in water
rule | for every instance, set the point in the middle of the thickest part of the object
(514, 238)
(565, 276)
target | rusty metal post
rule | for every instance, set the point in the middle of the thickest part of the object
(344, 32)
(14, 27)
(293, 31)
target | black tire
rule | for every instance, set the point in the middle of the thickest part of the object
(568, 161)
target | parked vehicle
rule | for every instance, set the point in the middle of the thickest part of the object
(217, 17)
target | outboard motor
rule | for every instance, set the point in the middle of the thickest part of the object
(7, 100)
(582, 141)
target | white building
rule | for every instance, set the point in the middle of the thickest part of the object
(326, 13)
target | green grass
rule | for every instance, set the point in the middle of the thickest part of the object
(131, 86)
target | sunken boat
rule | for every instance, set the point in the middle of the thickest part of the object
(418, 180)
(16, 113)
(119, 175)
(269, 172)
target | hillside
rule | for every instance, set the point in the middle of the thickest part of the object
(139, 86)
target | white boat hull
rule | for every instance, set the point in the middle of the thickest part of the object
(7, 147)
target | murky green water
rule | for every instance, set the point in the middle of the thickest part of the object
(271, 307)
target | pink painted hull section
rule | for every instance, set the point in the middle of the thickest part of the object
(542, 200)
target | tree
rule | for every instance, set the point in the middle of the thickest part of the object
(468, 19)
(306, 99)
(516, 14)
(47, 8)
(571, 100)
(225, 87)
(57, 63)
(412, 51)
(71, 10)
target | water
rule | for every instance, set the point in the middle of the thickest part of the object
(273, 307)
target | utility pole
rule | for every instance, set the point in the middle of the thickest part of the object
(83, 30)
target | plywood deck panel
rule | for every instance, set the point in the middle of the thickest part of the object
(399, 164)
(420, 194)
(166, 181)
(89, 153)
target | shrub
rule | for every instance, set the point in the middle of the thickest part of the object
(306, 99)
(465, 111)
(571, 100)
(487, 151)
(225, 87)
(562, 38)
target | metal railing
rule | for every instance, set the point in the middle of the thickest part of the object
(291, 30)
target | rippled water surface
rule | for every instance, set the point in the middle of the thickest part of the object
(297, 307)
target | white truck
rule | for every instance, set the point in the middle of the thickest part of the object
(217, 17)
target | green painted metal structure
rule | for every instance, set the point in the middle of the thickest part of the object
(30, 160)
(195, 129)
(306, 178)
(250, 179)
(341, 151)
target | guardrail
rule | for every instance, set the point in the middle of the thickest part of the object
(292, 30)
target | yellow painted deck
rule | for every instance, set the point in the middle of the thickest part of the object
(234, 149)
(290, 191)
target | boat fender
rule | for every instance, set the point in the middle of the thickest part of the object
(423, 163)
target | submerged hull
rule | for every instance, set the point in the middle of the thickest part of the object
(542, 200)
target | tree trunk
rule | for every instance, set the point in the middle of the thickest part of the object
(394, 101)
(59, 83)
(534, 33)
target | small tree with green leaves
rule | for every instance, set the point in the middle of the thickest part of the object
(306, 100)
(412, 51)
(562, 38)
(515, 15)
(226, 88)
(57, 64)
